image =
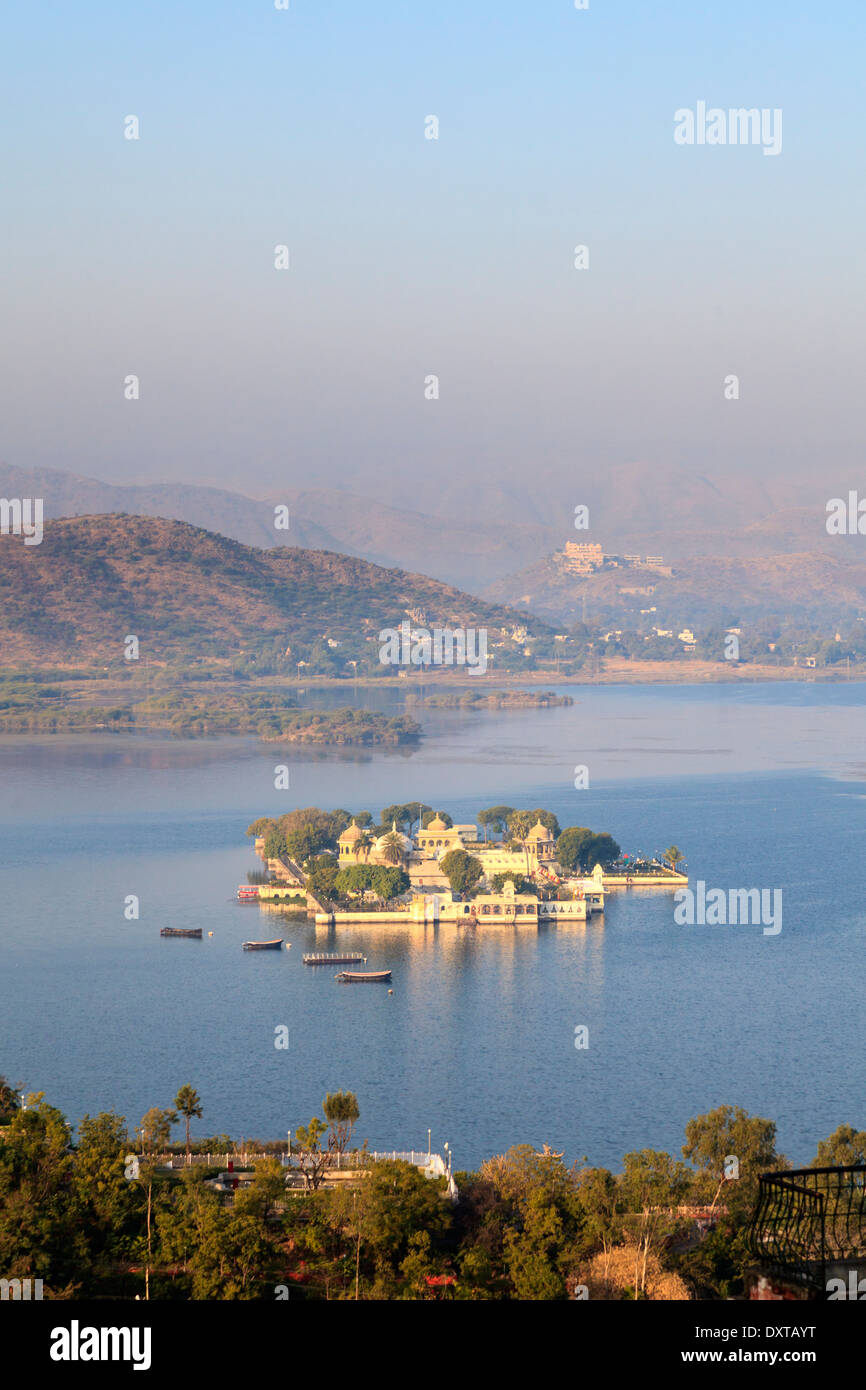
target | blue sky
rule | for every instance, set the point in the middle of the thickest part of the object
(411, 256)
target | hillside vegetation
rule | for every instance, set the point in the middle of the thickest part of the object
(188, 594)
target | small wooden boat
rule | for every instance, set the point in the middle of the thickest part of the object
(358, 977)
(322, 958)
(181, 931)
(265, 945)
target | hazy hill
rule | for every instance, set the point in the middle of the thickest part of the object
(468, 551)
(823, 586)
(185, 592)
(467, 526)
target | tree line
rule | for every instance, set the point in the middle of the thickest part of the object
(89, 1213)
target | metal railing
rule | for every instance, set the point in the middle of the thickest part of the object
(809, 1218)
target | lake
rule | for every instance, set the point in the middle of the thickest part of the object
(759, 785)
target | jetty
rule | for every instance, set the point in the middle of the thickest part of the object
(324, 958)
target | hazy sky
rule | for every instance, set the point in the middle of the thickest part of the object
(412, 256)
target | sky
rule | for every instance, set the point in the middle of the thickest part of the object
(411, 257)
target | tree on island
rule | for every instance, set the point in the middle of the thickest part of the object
(462, 870)
(673, 857)
(321, 876)
(521, 885)
(495, 818)
(521, 822)
(404, 814)
(188, 1102)
(392, 848)
(579, 849)
(386, 882)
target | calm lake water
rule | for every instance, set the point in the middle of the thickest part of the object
(760, 786)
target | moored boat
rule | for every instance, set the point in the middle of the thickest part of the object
(248, 895)
(323, 958)
(265, 945)
(181, 931)
(357, 977)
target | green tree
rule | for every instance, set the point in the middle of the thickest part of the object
(314, 1160)
(845, 1148)
(321, 877)
(392, 848)
(521, 885)
(102, 1191)
(188, 1103)
(9, 1101)
(462, 870)
(495, 818)
(578, 850)
(673, 857)
(342, 1112)
(403, 815)
(155, 1129)
(275, 845)
(571, 848)
(725, 1133)
(521, 822)
(653, 1185)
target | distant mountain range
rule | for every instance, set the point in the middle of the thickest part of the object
(737, 546)
(187, 593)
(470, 530)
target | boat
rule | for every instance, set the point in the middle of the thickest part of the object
(265, 945)
(248, 895)
(323, 958)
(181, 931)
(358, 977)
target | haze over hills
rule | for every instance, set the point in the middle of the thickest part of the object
(704, 591)
(187, 593)
(476, 530)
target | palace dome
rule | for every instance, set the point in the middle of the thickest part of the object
(437, 825)
(381, 844)
(351, 834)
(539, 832)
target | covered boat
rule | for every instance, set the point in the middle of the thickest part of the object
(181, 931)
(357, 977)
(265, 945)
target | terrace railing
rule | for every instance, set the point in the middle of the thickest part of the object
(808, 1219)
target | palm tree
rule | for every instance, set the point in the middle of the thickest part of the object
(673, 857)
(392, 847)
(364, 844)
(188, 1103)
